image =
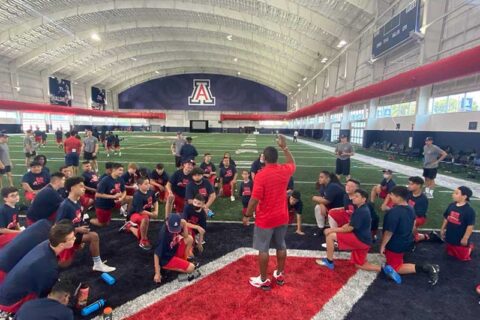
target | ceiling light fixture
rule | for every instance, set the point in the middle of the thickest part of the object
(305, 79)
(133, 59)
(235, 59)
(230, 37)
(298, 84)
(95, 37)
(324, 60)
(341, 44)
(157, 72)
(239, 73)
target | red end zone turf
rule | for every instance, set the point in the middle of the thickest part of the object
(226, 293)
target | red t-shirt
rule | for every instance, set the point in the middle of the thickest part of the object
(270, 188)
(72, 144)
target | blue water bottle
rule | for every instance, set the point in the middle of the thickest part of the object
(108, 279)
(210, 213)
(93, 307)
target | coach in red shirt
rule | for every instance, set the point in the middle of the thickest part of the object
(271, 212)
(72, 147)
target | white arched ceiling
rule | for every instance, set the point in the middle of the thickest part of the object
(274, 42)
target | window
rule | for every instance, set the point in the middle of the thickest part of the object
(34, 116)
(335, 132)
(336, 117)
(356, 136)
(320, 119)
(397, 110)
(358, 115)
(60, 122)
(8, 115)
(463, 102)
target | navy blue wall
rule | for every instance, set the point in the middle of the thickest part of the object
(11, 128)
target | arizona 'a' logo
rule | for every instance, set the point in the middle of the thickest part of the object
(201, 95)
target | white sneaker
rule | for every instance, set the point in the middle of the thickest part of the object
(119, 154)
(232, 198)
(335, 245)
(123, 210)
(102, 267)
(258, 283)
(108, 155)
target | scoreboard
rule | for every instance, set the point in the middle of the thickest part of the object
(397, 30)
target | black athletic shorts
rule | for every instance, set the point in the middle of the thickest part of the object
(89, 156)
(430, 173)
(343, 167)
(178, 161)
(31, 154)
(5, 170)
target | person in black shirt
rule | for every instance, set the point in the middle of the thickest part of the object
(177, 185)
(337, 217)
(158, 181)
(295, 207)
(383, 189)
(9, 226)
(196, 219)
(397, 239)
(226, 155)
(201, 186)
(333, 197)
(59, 138)
(245, 192)
(458, 224)
(188, 151)
(257, 165)
(354, 236)
(228, 179)
(419, 202)
(47, 200)
(34, 180)
(54, 306)
(209, 169)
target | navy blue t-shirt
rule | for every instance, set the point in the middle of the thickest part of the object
(257, 166)
(204, 188)
(161, 179)
(8, 217)
(361, 222)
(25, 241)
(90, 180)
(70, 210)
(458, 218)
(194, 217)
(419, 204)
(179, 182)
(35, 273)
(348, 204)
(167, 245)
(63, 193)
(245, 192)
(58, 134)
(45, 309)
(188, 152)
(297, 208)
(227, 174)
(142, 202)
(45, 204)
(232, 163)
(399, 220)
(387, 186)
(36, 181)
(129, 179)
(109, 186)
(374, 215)
(334, 193)
(208, 167)
(291, 184)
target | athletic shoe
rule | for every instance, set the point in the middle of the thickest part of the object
(429, 195)
(335, 245)
(258, 283)
(102, 267)
(279, 278)
(126, 226)
(433, 273)
(108, 155)
(145, 245)
(434, 237)
(232, 198)
(183, 277)
(392, 274)
(5, 315)
(123, 210)
(324, 263)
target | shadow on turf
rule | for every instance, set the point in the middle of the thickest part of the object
(414, 299)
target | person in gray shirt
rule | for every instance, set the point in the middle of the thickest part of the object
(90, 149)
(29, 147)
(5, 162)
(343, 151)
(176, 147)
(432, 157)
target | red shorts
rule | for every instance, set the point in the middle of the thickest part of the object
(59, 140)
(118, 204)
(179, 203)
(244, 211)
(178, 262)
(6, 238)
(227, 190)
(383, 194)
(52, 218)
(109, 146)
(38, 139)
(394, 259)
(349, 241)
(103, 215)
(138, 218)
(14, 307)
(3, 274)
(340, 215)
(68, 254)
(130, 191)
(462, 253)
(85, 201)
(212, 180)
(30, 196)
(420, 221)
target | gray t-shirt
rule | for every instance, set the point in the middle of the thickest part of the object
(90, 143)
(431, 154)
(343, 148)
(5, 154)
(29, 144)
(178, 145)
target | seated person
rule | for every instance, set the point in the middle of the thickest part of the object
(54, 306)
(47, 200)
(257, 165)
(209, 169)
(383, 189)
(177, 185)
(42, 159)
(458, 224)
(144, 208)
(68, 173)
(226, 155)
(34, 180)
(419, 202)
(245, 192)
(202, 186)
(338, 217)
(90, 180)
(228, 179)
(130, 179)
(21, 284)
(196, 218)
(70, 210)
(108, 170)
(332, 198)
(158, 181)
(9, 226)
(295, 207)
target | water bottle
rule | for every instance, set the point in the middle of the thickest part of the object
(107, 313)
(108, 279)
(93, 307)
(210, 213)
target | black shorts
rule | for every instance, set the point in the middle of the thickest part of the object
(78, 238)
(5, 170)
(31, 154)
(430, 173)
(89, 156)
(72, 159)
(343, 167)
(178, 161)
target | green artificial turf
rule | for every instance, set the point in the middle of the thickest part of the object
(147, 149)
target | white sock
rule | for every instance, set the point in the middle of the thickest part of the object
(97, 260)
(427, 190)
(431, 192)
(319, 217)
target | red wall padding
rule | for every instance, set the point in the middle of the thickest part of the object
(48, 108)
(458, 65)
(252, 117)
